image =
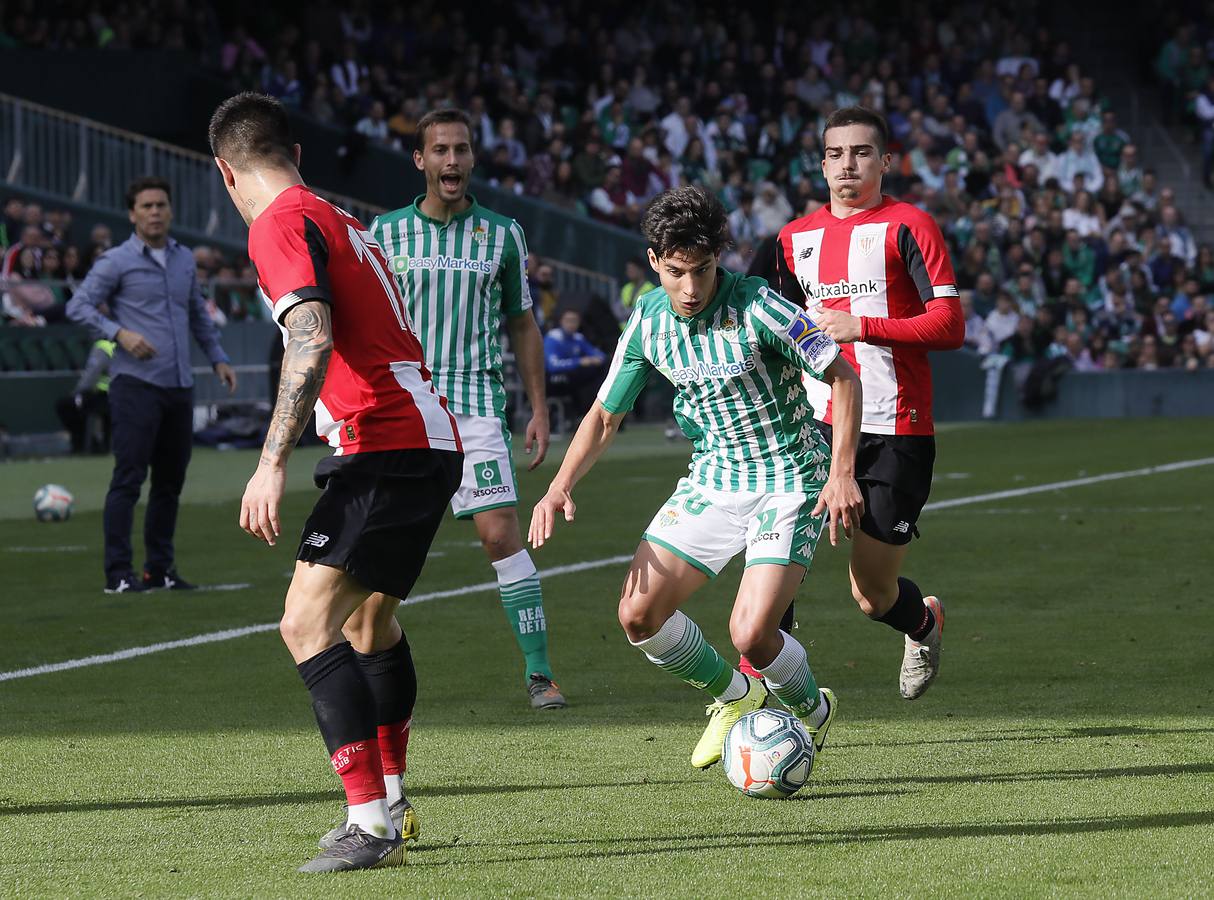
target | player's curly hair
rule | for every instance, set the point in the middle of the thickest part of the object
(687, 220)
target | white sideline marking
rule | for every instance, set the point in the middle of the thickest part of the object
(232, 633)
(66, 548)
(1074, 482)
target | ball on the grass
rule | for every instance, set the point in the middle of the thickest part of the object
(768, 753)
(53, 503)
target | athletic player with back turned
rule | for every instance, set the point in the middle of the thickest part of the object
(877, 278)
(397, 459)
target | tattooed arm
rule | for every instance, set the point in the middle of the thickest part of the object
(309, 345)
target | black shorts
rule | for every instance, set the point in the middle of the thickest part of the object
(379, 513)
(894, 472)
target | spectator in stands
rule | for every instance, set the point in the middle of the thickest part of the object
(1003, 320)
(374, 125)
(544, 295)
(772, 210)
(574, 365)
(1079, 160)
(611, 202)
(151, 395)
(1009, 125)
(636, 283)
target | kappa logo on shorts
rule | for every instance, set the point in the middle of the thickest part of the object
(316, 539)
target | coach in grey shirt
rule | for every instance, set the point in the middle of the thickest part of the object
(150, 288)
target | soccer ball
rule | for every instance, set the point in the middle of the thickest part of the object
(53, 503)
(768, 753)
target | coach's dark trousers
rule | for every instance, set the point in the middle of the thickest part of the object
(150, 426)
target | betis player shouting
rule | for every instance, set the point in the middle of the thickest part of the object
(461, 268)
(762, 480)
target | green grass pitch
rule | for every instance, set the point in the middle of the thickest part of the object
(1066, 750)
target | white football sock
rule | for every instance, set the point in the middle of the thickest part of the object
(738, 686)
(395, 786)
(373, 818)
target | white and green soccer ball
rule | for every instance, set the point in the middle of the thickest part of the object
(53, 503)
(768, 753)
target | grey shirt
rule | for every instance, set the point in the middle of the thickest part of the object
(163, 303)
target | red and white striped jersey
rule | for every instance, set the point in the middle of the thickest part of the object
(377, 393)
(889, 266)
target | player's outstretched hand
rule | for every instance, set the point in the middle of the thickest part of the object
(538, 436)
(543, 516)
(259, 506)
(842, 500)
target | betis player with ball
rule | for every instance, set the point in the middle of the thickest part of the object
(762, 479)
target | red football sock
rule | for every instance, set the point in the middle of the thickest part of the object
(361, 772)
(393, 742)
(746, 668)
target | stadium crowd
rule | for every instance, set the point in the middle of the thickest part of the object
(43, 262)
(1066, 247)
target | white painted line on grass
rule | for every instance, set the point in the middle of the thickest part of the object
(232, 633)
(1074, 482)
(66, 548)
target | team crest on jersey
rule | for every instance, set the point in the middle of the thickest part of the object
(728, 328)
(479, 234)
(669, 516)
(867, 243)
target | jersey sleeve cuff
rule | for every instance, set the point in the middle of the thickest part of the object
(300, 295)
(940, 291)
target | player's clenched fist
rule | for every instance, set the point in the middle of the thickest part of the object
(543, 516)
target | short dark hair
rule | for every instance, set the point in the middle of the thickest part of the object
(859, 115)
(250, 129)
(687, 220)
(446, 116)
(146, 183)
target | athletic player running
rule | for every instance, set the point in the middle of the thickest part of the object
(349, 353)
(460, 267)
(877, 278)
(758, 482)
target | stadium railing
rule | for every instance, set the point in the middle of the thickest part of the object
(91, 163)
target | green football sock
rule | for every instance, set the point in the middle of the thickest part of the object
(790, 679)
(523, 601)
(680, 649)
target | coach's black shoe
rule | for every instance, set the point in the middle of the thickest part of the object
(355, 849)
(126, 583)
(165, 581)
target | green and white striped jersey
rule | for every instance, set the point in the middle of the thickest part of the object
(737, 365)
(457, 279)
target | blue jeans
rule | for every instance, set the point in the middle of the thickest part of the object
(150, 426)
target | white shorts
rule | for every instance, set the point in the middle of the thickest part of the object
(488, 466)
(708, 528)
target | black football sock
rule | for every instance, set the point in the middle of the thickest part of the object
(341, 697)
(393, 681)
(789, 619)
(909, 614)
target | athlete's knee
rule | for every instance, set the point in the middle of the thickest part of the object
(298, 631)
(638, 617)
(749, 636)
(500, 537)
(873, 599)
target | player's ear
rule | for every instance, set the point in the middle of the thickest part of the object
(229, 177)
(296, 154)
(885, 162)
(419, 160)
(653, 259)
